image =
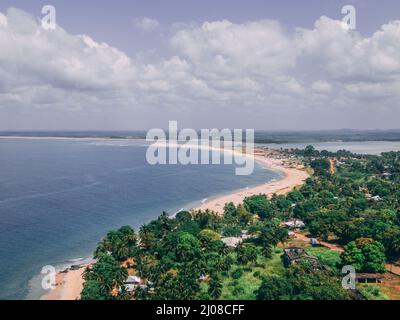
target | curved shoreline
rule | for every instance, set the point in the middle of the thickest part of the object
(292, 178)
(70, 282)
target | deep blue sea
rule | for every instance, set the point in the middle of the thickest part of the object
(59, 197)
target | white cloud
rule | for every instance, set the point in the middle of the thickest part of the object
(344, 54)
(147, 24)
(255, 71)
(3, 20)
(223, 47)
(321, 86)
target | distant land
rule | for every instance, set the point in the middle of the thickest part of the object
(261, 136)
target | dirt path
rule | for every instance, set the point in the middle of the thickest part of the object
(393, 268)
(332, 166)
(391, 286)
(331, 246)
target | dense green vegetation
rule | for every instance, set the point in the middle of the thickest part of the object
(370, 292)
(365, 255)
(185, 258)
(299, 283)
(360, 201)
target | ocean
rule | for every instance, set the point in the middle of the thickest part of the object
(58, 197)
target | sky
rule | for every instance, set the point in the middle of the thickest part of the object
(133, 65)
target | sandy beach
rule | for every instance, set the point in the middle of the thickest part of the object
(70, 282)
(69, 285)
(292, 178)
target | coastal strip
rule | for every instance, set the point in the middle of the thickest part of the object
(292, 178)
(70, 282)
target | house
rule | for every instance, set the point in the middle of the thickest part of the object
(295, 255)
(369, 277)
(294, 224)
(232, 242)
(314, 242)
(371, 197)
(132, 283)
(133, 280)
(376, 198)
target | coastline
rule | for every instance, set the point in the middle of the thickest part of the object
(292, 178)
(69, 283)
(72, 138)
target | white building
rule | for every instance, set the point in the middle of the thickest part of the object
(294, 224)
(132, 283)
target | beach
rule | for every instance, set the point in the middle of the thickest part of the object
(292, 178)
(70, 282)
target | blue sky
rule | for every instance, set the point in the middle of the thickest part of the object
(137, 64)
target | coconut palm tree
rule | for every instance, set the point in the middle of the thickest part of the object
(215, 287)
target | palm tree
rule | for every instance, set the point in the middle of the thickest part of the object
(107, 273)
(246, 253)
(120, 250)
(267, 251)
(120, 276)
(215, 287)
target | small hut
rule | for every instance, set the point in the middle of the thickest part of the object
(369, 277)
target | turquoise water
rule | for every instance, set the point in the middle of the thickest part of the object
(367, 147)
(59, 197)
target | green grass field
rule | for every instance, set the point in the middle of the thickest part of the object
(244, 287)
(325, 255)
